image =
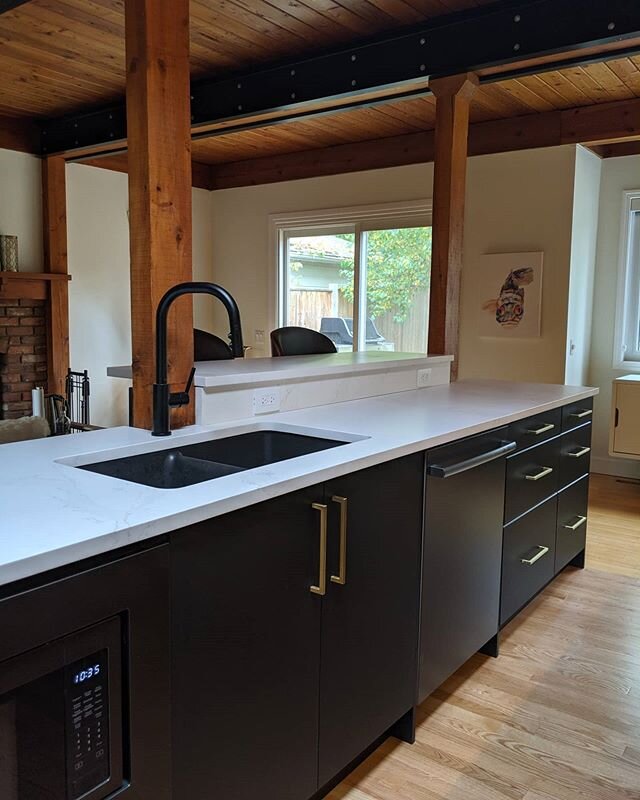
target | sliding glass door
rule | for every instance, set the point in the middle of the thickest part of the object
(364, 284)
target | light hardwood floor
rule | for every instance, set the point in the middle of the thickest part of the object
(557, 716)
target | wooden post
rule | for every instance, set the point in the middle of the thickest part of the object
(453, 96)
(54, 220)
(159, 159)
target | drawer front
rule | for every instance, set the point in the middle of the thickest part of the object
(575, 455)
(532, 476)
(577, 414)
(534, 430)
(572, 522)
(528, 557)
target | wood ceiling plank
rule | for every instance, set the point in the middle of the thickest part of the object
(543, 89)
(614, 87)
(525, 95)
(587, 84)
(333, 11)
(399, 11)
(503, 102)
(571, 95)
(628, 72)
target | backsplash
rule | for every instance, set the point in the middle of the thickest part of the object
(23, 354)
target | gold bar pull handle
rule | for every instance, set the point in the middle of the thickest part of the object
(577, 524)
(542, 551)
(341, 577)
(321, 588)
(581, 414)
(544, 429)
(544, 471)
(579, 453)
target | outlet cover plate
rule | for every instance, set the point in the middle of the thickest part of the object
(266, 400)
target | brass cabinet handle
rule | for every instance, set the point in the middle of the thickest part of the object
(544, 429)
(542, 551)
(341, 577)
(581, 414)
(578, 524)
(321, 588)
(544, 471)
(579, 453)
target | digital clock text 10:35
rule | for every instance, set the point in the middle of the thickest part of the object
(87, 673)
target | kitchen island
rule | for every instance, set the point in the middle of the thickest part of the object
(275, 624)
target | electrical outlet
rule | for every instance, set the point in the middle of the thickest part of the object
(424, 378)
(266, 400)
(258, 336)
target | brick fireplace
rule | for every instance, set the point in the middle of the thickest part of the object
(23, 354)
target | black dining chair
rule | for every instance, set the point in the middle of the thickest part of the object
(209, 347)
(294, 341)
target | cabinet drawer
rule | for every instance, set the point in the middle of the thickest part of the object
(572, 522)
(577, 414)
(575, 455)
(534, 430)
(528, 557)
(532, 476)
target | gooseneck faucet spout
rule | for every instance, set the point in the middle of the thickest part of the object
(163, 399)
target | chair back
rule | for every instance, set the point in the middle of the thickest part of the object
(209, 347)
(293, 341)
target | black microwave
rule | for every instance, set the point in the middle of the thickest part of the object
(61, 718)
(85, 682)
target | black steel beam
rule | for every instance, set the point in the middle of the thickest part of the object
(9, 5)
(503, 34)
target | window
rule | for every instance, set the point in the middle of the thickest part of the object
(627, 339)
(361, 276)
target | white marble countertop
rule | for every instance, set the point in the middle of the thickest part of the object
(239, 372)
(52, 514)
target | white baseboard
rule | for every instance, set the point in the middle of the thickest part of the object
(619, 467)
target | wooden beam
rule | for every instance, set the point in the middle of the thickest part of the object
(604, 122)
(617, 149)
(19, 134)
(159, 125)
(119, 162)
(54, 218)
(453, 98)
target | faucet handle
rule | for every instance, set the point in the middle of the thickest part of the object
(177, 399)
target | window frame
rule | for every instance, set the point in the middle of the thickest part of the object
(627, 317)
(359, 219)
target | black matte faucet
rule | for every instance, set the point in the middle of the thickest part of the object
(163, 399)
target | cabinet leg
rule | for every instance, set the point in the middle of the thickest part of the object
(405, 728)
(579, 560)
(492, 647)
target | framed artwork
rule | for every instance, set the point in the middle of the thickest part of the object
(507, 290)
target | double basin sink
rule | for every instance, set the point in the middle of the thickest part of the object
(189, 464)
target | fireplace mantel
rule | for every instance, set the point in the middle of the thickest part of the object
(28, 285)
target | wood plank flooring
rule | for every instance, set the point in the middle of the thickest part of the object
(557, 716)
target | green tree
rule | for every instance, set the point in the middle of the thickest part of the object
(398, 265)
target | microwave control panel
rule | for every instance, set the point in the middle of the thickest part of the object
(87, 724)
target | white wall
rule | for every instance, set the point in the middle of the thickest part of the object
(519, 202)
(515, 202)
(99, 301)
(21, 206)
(586, 208)
(618, 175)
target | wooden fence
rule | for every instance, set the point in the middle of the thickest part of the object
(308, 306)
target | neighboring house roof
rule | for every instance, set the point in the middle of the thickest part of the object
(320, 248)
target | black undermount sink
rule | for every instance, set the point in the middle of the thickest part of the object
(196, 463)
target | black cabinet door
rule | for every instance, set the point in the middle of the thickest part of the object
(462, 560)
(369, 623)
(246, 633)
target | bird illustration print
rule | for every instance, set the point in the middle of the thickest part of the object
(509, 307)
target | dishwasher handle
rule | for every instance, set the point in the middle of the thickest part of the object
(449, 470)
